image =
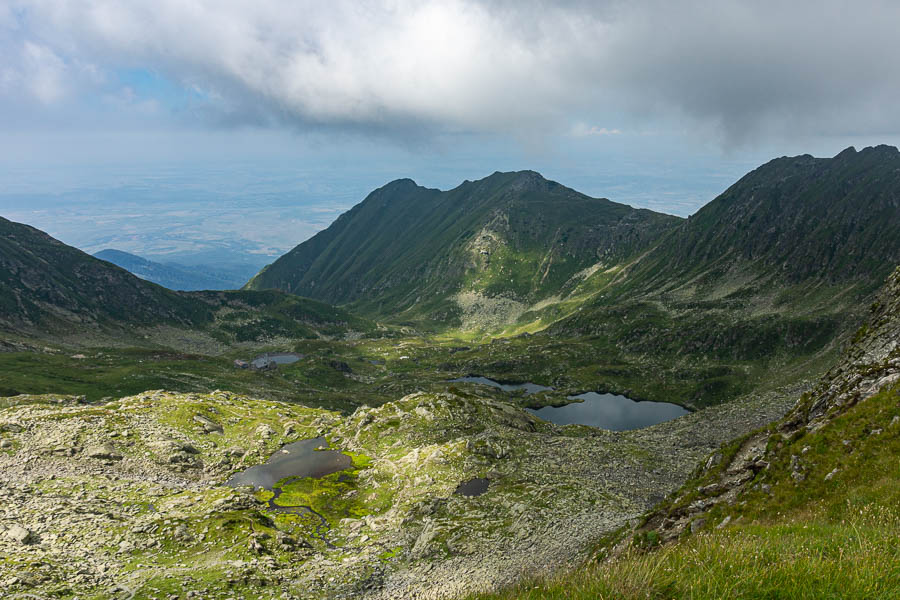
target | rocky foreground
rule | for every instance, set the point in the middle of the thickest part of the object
(127, 499)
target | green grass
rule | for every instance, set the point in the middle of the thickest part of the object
(819, 538)
(379, 373)
(858, 558)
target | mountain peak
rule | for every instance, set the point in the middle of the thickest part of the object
(881, 150)
(845, 153)
(404, 182)
(415, 248)
(517, 180)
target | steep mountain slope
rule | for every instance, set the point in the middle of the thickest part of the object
(172, 276)
(45, 284)
(779, 266)
(804, 508)
(49, 288)
(511, 238)
(791, 220)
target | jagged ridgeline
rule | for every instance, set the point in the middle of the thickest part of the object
(792, 220)
(507, 242)
(50, 289)
(513, 251)
(787, 259)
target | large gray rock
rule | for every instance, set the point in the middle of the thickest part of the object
(208, 425)
(103, 452)
(19, 534)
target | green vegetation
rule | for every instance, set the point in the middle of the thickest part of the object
(513, 278)
(405, 251)
(807, 558)
(822, 537)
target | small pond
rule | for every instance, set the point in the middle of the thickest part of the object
(279, 358)
(300, 459)
(530, 388)
(610, 411)
(473, 487)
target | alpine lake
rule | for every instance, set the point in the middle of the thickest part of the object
(606, 411)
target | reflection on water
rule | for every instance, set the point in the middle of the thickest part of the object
(610, 411)
(530, 388)
(300, 459)
(279, 358)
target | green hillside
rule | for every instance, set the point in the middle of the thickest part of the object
(507, 241)
(778, 268)
(51, 291)
(805, 508)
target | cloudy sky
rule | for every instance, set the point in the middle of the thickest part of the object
(654, 103)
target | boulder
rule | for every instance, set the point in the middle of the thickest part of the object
(208, 425)
(19, 534)
(104, 451)
(264, 432)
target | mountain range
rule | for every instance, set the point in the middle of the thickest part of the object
(173, 275)
(50, 289)
(409, 252)
(516, 244)
(772, 315)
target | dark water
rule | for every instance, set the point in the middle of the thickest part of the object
(281, 358)
(473, 487)
(530, 388)
(610, 411)
(300, 459)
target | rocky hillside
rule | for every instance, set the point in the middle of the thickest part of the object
(781, 454)
(409, 252)
(49, 290)
(139, 502)
(805, 507)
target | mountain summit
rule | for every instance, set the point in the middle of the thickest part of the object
(411, 250)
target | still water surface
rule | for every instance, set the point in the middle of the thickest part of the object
(610, 411)
(300, 459)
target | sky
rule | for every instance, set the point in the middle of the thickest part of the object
(309, 105)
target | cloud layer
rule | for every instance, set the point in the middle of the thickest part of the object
(732, 70)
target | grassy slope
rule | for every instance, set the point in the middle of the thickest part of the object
(404, 250)
(46, 284)
(821, 521)
(49, 289)
(819, 539)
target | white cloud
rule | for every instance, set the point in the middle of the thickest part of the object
(583, 130)
(395, 66)
(44, 73)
